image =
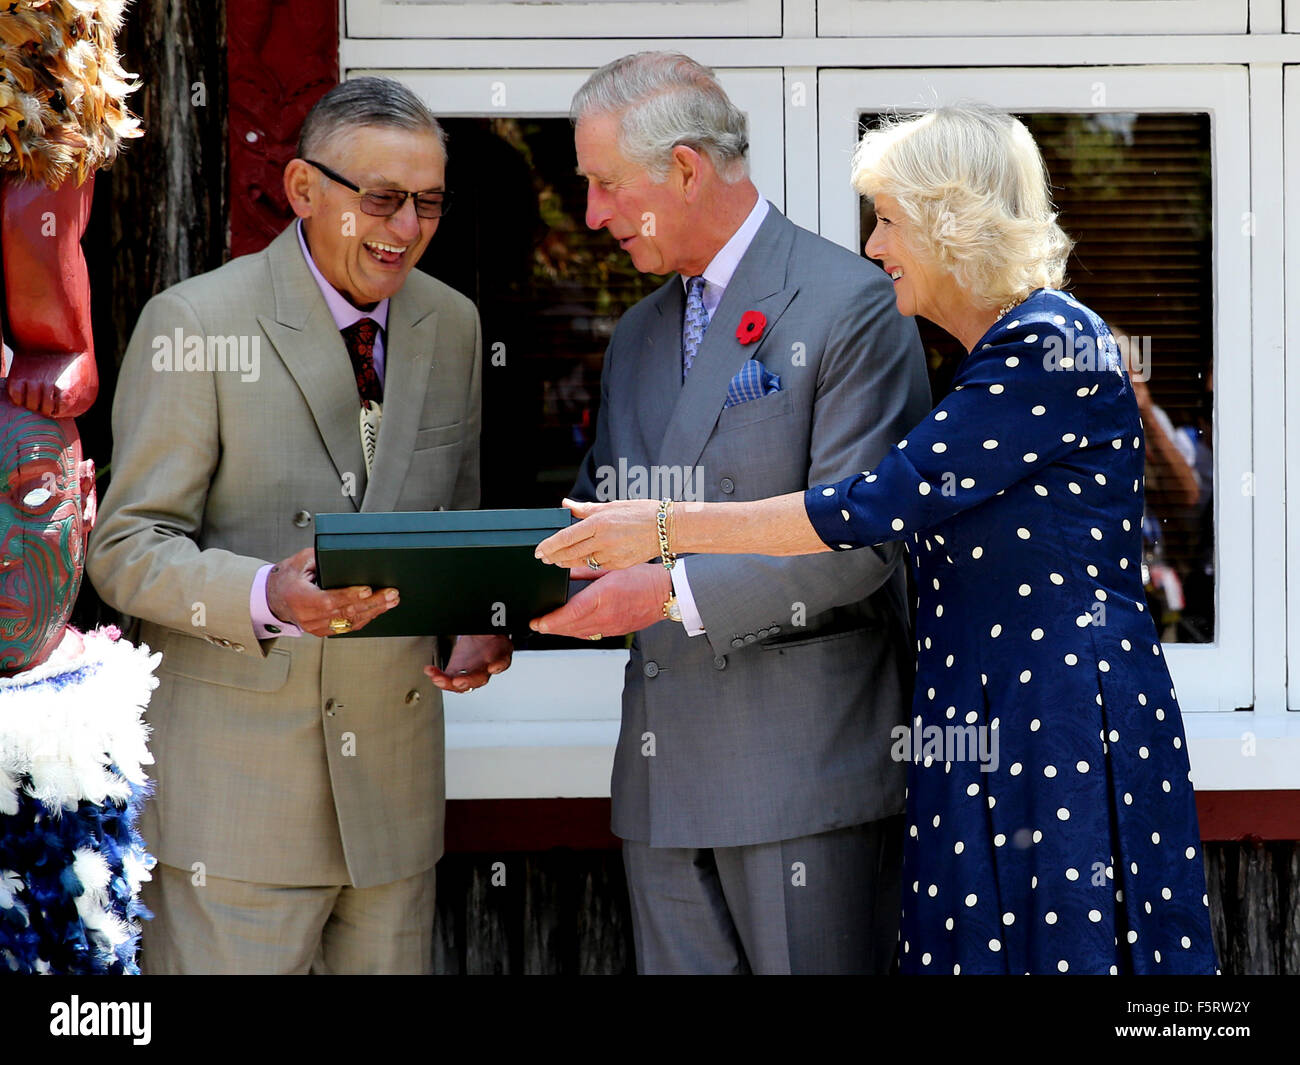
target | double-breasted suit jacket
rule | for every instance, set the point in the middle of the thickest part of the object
(290, 760)
(775, 723)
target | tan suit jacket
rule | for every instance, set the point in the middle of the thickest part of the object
(289, 761)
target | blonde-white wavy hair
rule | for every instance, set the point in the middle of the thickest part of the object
(972, 184)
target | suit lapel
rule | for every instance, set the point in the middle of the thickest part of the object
(408, 357)
(658, 378)
(309, 344)
(759, 285)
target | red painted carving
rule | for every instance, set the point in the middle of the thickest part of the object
(280, 59)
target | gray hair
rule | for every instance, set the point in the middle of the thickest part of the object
(664, 99)
(972, 184)
(366, 101)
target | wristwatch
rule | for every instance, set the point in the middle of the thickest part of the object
(671, 610)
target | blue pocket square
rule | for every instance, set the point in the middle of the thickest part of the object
(754, 381)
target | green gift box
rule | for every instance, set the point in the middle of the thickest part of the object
(459, 572)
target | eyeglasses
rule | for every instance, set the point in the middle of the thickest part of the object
(384, 203)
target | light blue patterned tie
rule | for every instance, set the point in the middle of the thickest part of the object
(694, 323)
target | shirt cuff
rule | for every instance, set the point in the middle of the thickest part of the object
(266, 626)
(691, 619)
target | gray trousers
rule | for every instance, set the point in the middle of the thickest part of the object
(827, 903)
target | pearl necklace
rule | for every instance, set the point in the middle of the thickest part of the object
(1015, 301)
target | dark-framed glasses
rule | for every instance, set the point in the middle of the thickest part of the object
(384, 203)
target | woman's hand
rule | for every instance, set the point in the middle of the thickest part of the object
(609, 536)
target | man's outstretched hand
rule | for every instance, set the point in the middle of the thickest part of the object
(294, 598)
(473, 662)
(612, 604)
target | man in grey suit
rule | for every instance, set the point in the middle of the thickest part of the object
(752, 783)
(299, 804)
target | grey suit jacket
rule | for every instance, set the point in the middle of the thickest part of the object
(776, 723)
(294, 761)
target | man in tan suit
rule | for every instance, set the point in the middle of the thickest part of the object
(299, 804)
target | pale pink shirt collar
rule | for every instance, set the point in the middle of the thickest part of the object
(341, 310)
(721, 269)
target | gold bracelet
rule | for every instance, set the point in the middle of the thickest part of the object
(661, 521)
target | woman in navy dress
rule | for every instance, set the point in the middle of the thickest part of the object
(1051, 821)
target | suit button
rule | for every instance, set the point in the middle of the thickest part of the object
(727, 485)
(412, 697)
(651, 669)
(302, 519)
(720, 662)
(236, 646)
(738, 642)
(274, 630)
(776, 629)
(331, 707)
(751, 637)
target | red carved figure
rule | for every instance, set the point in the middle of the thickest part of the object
(61, 119)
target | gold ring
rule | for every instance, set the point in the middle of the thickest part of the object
(597, 636)
(338, 626)
(592, 563)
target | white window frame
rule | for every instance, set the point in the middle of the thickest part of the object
(1021, 18)
(436, 19)
(547, 727)
(1215, 677)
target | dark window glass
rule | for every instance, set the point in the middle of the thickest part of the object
(549, 293)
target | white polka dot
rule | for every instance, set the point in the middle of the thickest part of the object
(1058, 319)
(1035, 725)
(1068, 438)
(1023, 533)
(897, 524)
(967, 482)
(1050, 917)
(1103, 665)
(938, 447)
(1031, 338)
(996, 390)
(976, 552)
(1008, 918)
(1092, 570)
(1190, 852)
(924, 488)
(1166, 894)
(1024, 676)
(972, 899)
(958, 847)
(1071, 659)
(1128, 799)
(1037, 634)
(999, 839)
(1072, 874)
(1083, 620)
(1186, 942)
(1143, 752)
(989, 445)
(1094, 916)
(1049, 771)
(1132, 936)
(994, 945)
(1063, 814)
(1056, 578)
(1012, 325)
(1081, 392)
(925, 958)
(1155, 837)
(1015, 769)
(1025, 589)
(828, 491)
(1062, 966)
(1074, 487)
(1038, 410)
(844, 514)
(940, 415)
(846, 547)
(1082, 766)
(1038, 836)
(1012, 361)
(1040, 489)
(996, 631)
(1096, 533)
(972, 790)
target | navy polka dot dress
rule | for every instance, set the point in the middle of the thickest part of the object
(1051, 823)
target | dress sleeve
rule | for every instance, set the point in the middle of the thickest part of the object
(1023, 399)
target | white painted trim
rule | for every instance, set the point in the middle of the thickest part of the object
(1244, 751)
(802, 194)
(562, 18)
(1291, 139)
(1266, 16)
(1207, 677)
(852, 53)
(548, 93)
(1267, 372)
(975, 18)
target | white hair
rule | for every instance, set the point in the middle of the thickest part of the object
(973, 186)
(663, 99)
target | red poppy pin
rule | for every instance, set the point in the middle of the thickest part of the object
(751, 326)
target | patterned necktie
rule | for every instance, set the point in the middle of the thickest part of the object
(360, 339)
(695, 321)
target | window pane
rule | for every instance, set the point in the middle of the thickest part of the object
(1134, 192)
(549, 293)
